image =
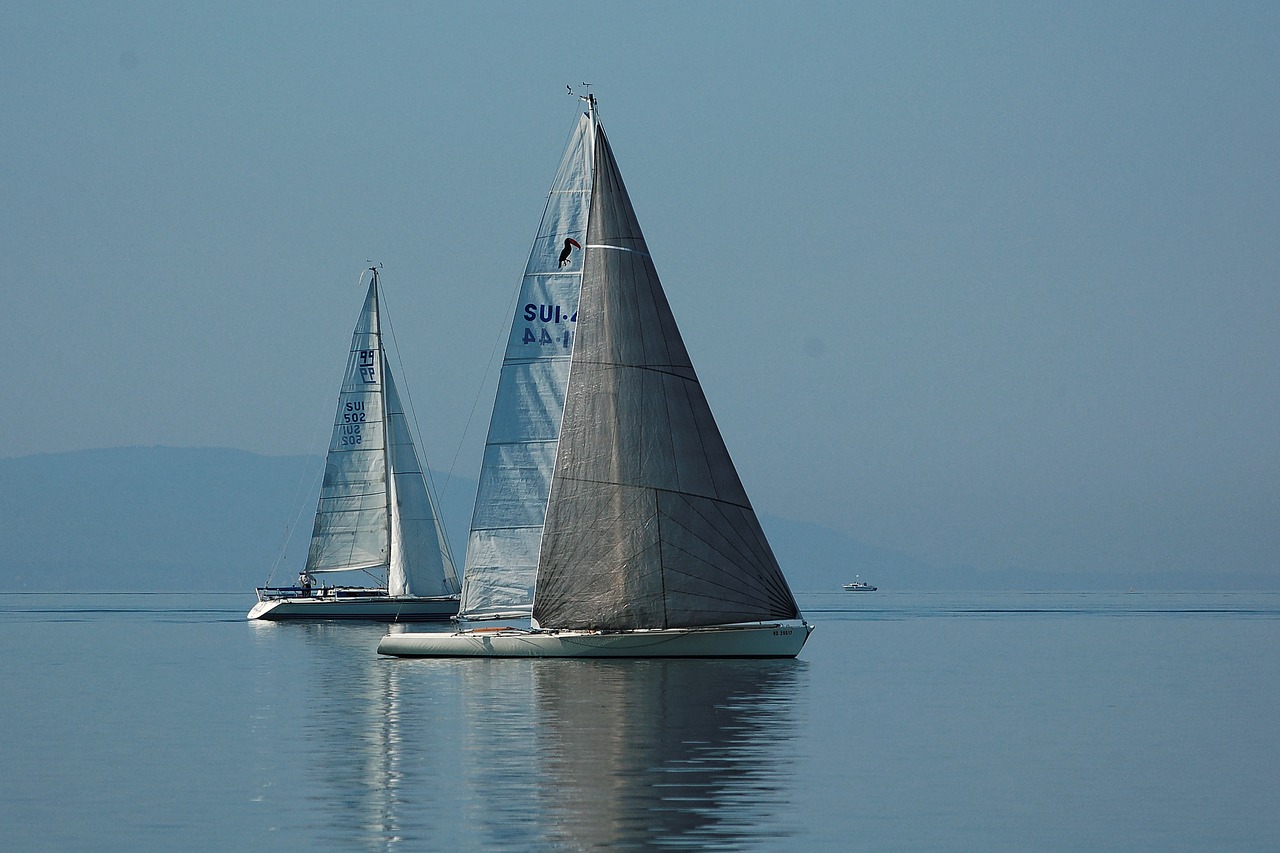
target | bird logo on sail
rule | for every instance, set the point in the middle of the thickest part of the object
(569, 245)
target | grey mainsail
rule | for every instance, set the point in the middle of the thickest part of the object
(647, 525)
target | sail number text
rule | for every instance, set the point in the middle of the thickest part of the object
(548, 315)
(351, 430)
(367, 363)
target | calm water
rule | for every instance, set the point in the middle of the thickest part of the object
(910, 721)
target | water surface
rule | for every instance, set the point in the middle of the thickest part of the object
(1002, 721)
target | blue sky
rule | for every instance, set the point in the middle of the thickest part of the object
(988, 283)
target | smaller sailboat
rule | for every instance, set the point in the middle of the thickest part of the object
(375, 515)
(859, 585)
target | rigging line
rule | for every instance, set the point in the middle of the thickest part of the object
(384, 315)
(292, 527)
(301, 489)
(503, 333)
(505, 326)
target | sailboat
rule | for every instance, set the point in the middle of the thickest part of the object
(375, 515)
(649, 546)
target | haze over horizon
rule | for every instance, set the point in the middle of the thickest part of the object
(987, 284)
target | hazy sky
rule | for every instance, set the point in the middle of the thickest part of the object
(989, 283)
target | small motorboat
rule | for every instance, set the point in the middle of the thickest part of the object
(859, 586)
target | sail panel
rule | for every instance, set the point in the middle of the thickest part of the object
(350, 527)
(517, 498)
(612, 572)
(648, 524)
(530, 410)
(501, 566)
(524, 428)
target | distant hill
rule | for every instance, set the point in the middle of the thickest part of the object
(205, 519)
(145, 518)
(208, 519)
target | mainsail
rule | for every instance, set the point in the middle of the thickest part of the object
(375, 513)
(648, 525)
(350, 530)
(520, 451)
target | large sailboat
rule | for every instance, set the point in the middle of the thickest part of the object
(375, 516)
(648, 544)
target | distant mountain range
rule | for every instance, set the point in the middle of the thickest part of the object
(205, 519)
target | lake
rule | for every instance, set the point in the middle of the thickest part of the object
(939, 721)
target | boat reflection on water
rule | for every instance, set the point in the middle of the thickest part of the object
(334, 724)
(667, 754)
(505, 754)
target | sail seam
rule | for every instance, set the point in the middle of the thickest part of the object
(669, 370)
(655, 489)
(618, 249)
(741, 550)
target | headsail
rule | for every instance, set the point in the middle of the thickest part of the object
(350, 530)
(420, 561)
(648, 525)
(519, 454)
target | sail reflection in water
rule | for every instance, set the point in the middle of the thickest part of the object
(501, 754)
(375, 755)
(692, 754)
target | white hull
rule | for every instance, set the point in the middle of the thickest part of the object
(771, 640)
(380, 608)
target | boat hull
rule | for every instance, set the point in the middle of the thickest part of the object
(773, 640)
(371, 608)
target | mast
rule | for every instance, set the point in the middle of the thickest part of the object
(594, 118)
(388, 473)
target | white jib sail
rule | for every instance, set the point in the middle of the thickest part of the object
(520, 452)
(420, 561)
